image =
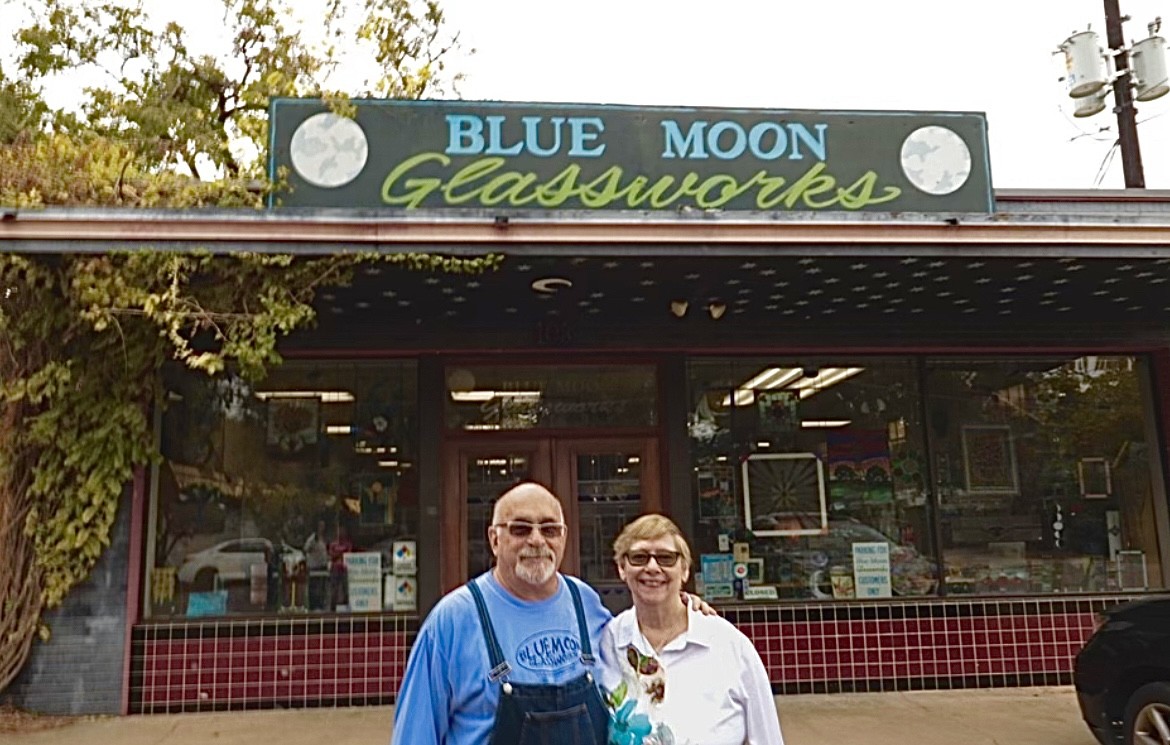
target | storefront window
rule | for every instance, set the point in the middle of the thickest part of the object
(1043, 475)
(296, 495)
(502, 397)
(811, 472)
(813, 475)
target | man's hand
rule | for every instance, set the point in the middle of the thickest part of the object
(694, 602)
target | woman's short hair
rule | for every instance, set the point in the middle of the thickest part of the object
(649, 528)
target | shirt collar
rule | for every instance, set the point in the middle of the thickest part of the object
(699, 631)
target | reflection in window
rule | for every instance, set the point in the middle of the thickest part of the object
(609, 494)
(488, 476)
(1040, 472)
(1043, 474)
(288, 498)
(828, 455)
(530, 397)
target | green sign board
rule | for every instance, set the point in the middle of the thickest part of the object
(535, 156)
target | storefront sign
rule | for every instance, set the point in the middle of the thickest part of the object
(363, 571)
(531, 156)
(871, 570)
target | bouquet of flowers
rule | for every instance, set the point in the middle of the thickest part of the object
(634, 700)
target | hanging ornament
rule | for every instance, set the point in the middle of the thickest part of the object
(1057, 527)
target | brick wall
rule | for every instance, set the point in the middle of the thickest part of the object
(79, 670)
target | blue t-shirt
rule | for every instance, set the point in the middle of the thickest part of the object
(446, 697)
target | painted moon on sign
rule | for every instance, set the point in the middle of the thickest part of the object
(549, 285)
(936, 160)
(328, 150)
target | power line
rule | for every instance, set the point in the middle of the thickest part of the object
(1106, 162)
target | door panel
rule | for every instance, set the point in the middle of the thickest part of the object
(602, 483)
(474, 475)
(606, 483)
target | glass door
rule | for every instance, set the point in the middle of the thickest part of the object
(602, 484)
(585, 430)
(474, 475)
(608, 482)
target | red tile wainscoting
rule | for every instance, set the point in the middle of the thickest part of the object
(897, 646)
(224, 664)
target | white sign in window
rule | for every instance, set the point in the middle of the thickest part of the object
(871, 569)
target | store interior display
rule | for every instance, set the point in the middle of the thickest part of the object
(821, 463)
(294, 496)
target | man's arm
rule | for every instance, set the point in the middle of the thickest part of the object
(422, 711)
(697, 603)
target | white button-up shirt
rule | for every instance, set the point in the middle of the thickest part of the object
(716, 691)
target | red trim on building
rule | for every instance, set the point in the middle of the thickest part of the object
(134, 575)
(1160, 382)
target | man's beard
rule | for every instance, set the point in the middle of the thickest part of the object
(536, 573)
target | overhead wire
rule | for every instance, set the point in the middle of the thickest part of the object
(1106, 162)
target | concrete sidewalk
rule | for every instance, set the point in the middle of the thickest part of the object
(1019, 716)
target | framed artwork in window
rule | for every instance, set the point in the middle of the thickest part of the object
(989, 459)
(1131, 570)
(1095, 478)
(293, 424)
(784, 494)
(755, 569)
(778, 413)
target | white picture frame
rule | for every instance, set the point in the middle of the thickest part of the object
(1095, 477)
(755, 575)
(1132, 573)
(789, 494)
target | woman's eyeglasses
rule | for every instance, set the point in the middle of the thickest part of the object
(523, 529)
(642, 558)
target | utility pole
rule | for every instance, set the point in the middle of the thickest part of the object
(1127, 135)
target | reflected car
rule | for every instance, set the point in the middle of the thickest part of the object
(231, 561)
(1122, 674)
(812, 558)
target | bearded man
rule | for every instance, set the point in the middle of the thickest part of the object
(509, 658)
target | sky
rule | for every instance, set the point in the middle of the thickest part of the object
(994, 56)
(999, 57)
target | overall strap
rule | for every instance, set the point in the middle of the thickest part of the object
(587, 657)
(500, 666)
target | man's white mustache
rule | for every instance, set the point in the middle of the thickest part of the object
(539, 554)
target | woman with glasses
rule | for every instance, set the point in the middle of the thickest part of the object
(510, 658)
(674, 676)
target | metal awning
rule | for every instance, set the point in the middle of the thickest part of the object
(1027, 223)
(1043, 264)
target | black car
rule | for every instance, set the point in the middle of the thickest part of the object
(1122, 674)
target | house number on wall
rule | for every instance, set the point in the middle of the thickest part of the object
(553, 334)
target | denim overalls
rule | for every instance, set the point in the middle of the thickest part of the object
(544, 714)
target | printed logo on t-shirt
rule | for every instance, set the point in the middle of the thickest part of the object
(548, 650)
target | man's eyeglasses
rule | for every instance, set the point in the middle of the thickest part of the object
(523, 529)
(642, 558)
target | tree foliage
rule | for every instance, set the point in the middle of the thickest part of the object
(180, 106)
(83, 337)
